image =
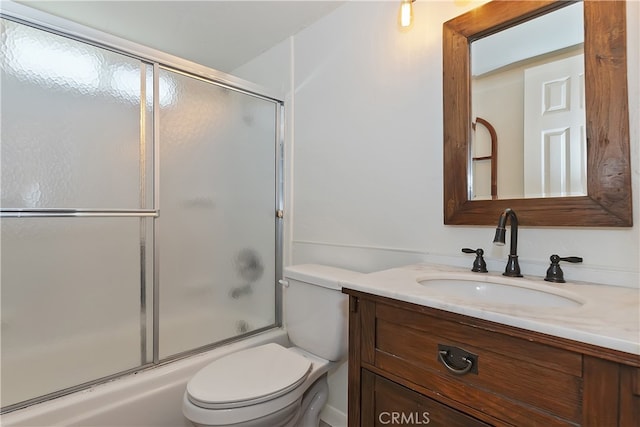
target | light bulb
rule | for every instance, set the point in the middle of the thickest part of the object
(406, 12)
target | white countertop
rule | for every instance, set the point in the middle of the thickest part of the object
(607, 316)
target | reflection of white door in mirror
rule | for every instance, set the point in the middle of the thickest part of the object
(498, 65)
(554, 129)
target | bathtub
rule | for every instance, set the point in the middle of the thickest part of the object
(152, 397)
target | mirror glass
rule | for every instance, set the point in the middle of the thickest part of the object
(528, 135)
(607, 199)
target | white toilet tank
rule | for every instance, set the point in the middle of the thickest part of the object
(316, 312)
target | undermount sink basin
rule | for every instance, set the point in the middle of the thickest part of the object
(497, 293)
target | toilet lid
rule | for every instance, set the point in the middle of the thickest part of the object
(248, 377)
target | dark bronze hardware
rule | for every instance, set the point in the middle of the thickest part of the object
(513, 267)
(457, 361)
(479, 265)
(554, 272)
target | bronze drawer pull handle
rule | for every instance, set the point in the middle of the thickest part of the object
(447, 353)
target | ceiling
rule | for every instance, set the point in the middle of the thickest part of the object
(219, 34)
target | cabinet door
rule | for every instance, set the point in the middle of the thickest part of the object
(629, 396)
(387, 403)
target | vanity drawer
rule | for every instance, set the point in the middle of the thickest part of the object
(389, 403)
(509, 371)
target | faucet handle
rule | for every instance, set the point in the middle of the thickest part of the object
(573, 259)
(479, 266)
(554, 272)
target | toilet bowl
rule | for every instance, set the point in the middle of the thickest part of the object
(271, 385)
(272, 395)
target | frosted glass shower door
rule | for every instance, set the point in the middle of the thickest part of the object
(74, 168)
(217, 224)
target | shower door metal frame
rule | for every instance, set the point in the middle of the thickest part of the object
(151, 57)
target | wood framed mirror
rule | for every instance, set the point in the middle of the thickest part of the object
(608, 201)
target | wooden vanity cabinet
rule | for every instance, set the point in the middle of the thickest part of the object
(497, 375)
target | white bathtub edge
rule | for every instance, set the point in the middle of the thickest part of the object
(95, 405)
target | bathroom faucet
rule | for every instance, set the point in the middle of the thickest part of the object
(513, 268)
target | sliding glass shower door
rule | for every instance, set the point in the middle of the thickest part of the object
(138, 213)
(74, 207)
(216, 228)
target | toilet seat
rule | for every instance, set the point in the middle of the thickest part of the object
(259, 414)
(248, 377)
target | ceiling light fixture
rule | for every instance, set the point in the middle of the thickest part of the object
(406, 12)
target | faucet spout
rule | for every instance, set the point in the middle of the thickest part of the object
(513, 268)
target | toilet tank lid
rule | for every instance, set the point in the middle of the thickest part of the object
(322, 275)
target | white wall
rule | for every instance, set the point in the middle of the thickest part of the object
(365, 146)
(365, 153)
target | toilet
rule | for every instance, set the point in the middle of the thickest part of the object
(271, 385)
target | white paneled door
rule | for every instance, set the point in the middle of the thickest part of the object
(554, 129)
